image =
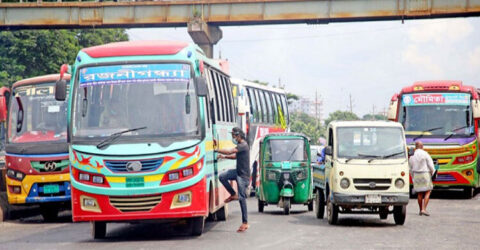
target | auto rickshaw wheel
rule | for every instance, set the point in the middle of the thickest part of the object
(310, 206)
(399, 214)
(99, 229)
(332, 212)
(261, 205)
(286, 206)
(383, 212)
(197, 223)
(319, 204)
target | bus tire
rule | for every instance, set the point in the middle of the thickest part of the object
(399, 214)
(319, 204)
(49, 212)
(197, 223)
(99, 229)
(222, 213)
(468, 192)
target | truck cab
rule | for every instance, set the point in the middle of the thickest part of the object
(365, 171)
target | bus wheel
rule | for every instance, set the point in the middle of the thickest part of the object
(261, 206)
(99, 229)
(198, 223)
(399, 214)
(319, 204)
(468, 192)
(222, 213)
(49, 212)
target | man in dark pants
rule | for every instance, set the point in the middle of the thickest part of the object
(241, 174)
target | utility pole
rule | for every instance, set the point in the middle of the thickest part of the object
(351, 103)
(316, 109)
(373, 112)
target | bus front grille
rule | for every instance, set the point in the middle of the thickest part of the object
(121, 166)
(135, 203)
(445, 178)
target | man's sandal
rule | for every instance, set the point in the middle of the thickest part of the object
(243, 228)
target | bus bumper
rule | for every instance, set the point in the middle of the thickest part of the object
(184, 203)
(32, 189)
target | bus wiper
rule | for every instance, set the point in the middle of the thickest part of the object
(115, 136)
(425, 131)
(453, 130)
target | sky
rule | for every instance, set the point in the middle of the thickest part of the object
(368, 60)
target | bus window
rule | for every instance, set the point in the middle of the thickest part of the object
(274, 108)
(216, 99)
(259, 106)
(269, 107)
(285, 109)
(233, 103)
(253, 104)
(220, 96)
(264, 106)
(228, 101)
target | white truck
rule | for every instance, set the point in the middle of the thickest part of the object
(366, 171)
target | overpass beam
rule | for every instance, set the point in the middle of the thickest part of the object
(204, 35)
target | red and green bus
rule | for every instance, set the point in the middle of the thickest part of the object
(445, 116)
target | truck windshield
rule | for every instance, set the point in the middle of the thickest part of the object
(285, 150)
(159, 98)
(437, 115)
(36, 116)
(370, 142)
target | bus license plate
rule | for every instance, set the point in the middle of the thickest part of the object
(373, 198)
(51, 189)
(135, 182)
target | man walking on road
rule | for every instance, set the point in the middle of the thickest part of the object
(421, 168)
(241, 174)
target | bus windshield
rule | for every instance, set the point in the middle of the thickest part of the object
(285, 150)
(451, 118)
(36, 116)
(159, 98)
(370, 142)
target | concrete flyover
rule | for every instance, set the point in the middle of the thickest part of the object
(203, 17)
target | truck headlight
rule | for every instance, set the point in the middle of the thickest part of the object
(399, 183)
(344, 183)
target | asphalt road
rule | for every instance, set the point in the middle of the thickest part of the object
(454, 224)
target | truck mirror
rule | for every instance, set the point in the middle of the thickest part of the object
(328, 151)
(201, 86)
(60, 90)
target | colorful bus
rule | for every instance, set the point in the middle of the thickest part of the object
(144, 120)
(261, 110)
(36, 147)
(4, 100)
(444, 115)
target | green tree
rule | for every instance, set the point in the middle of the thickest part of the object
(303, 123)
(259, 82)
(341, 116)
(29, 53)
(376, 117)
(291, 97)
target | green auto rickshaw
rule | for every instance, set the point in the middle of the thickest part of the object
(285, 171)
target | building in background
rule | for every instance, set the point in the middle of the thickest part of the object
(308, 106)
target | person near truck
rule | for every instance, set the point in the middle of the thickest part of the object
(422, 169)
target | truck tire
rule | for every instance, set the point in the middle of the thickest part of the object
(319, 204)
(399, 214)
(99, 229)
(332, 212)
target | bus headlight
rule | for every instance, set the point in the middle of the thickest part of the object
(399, 183)
(344, 183)
(17, 175)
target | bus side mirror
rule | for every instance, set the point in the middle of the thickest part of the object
(476, 109)
(201, 86)
(61, 90)
(411, 151)
(328, 151)
(392, 111)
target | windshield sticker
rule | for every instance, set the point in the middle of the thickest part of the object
(436, 99)
(137, 73)
(35, 90)
(53, 109)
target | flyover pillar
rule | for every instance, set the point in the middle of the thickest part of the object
(204, 35)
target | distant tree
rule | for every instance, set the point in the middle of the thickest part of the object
(291, 97)
(341, 116)
(259, 82)
(376, 117)
(303, 123)
(29, 53)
